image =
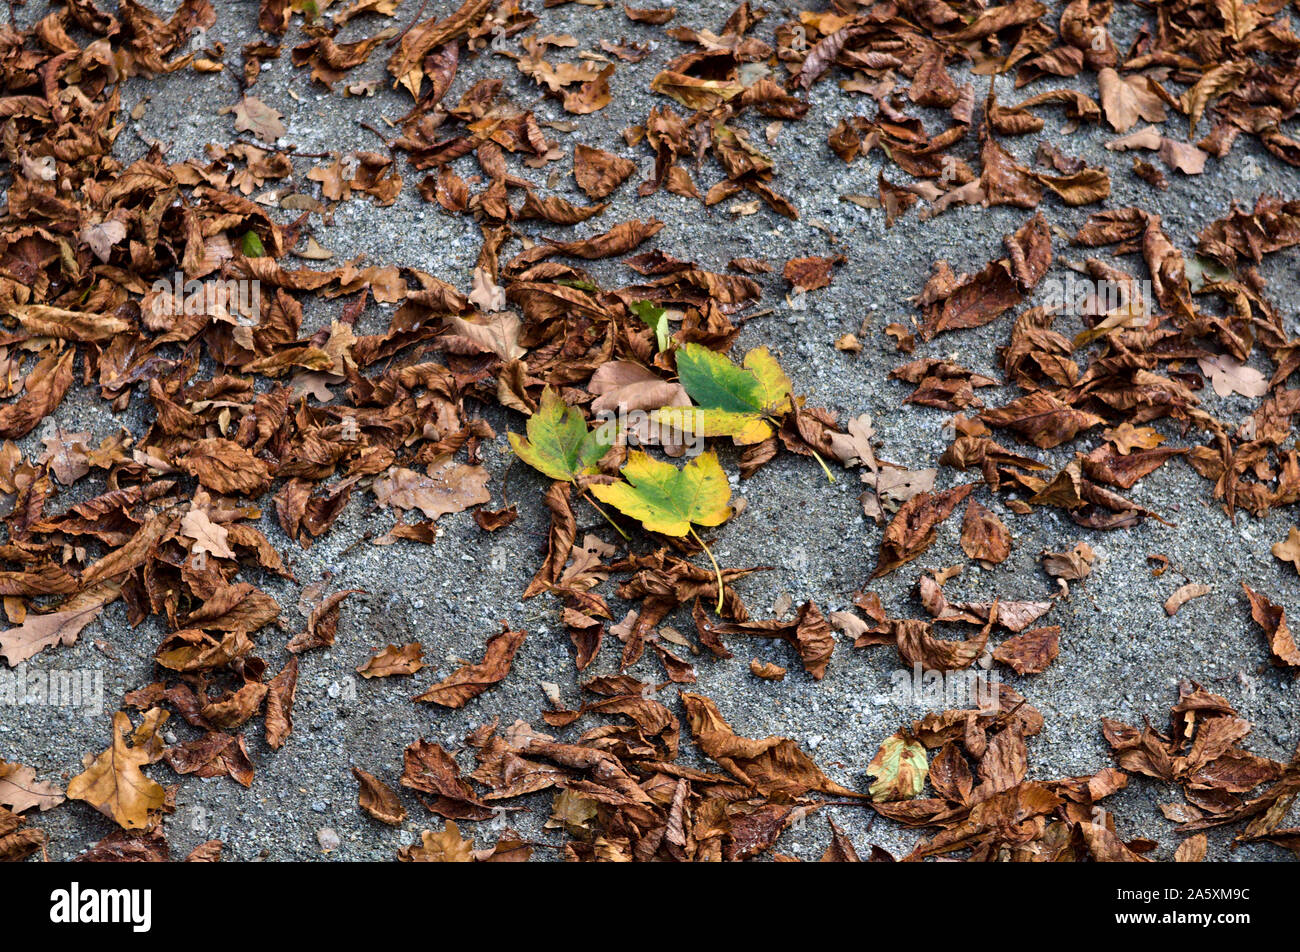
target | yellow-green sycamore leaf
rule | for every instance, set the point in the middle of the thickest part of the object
(559, 444)
(743, 428)
(731, 400)
(900, 767)
(666, 499)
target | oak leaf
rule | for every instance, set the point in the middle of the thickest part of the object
(113, 782)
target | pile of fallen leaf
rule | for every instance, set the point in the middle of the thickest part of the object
(245, 411)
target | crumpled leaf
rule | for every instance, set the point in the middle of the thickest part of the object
(471, 680)
(984, 536)
(773, 765)
(1272, 618)
(393, 660)
(900, 768)
(912, 530)
(378, 799)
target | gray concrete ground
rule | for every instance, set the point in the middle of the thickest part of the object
(1120, 655)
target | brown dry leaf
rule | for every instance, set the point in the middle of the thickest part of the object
(766, 670)
(810, 274)
(68, 325)
(917, 645)
(1272, 618)
(1192, 849)
(630, 386)
(1288, 550)
(598, 172)
(1041, 418)
(974, 301)
(213, 755)
(206, 852)
(1215, 82)
(912, 530)
(840, 849)
(1148, 137)
(280, 695)
(447, 846)
(253, 115)
(1073, 566)
(207, 536)
(61, 627)
(448, 487)
(1119, 100)
(651, 16)
(1128, 437)
(378, 799)
(1182, 156)
(393, 660)
(226, 468)
(427, 768)
(102, 236)
(984, 536)
(20, 790)
(471, 680)
(771, 766)
(486, 294)
(66, 453)
(45, 388)
(808, 633)
(1184, 595)
(1030, 652)
(16, 841)
(1231, 376)
(112, 782)
(1078, 188)
(322, 623)
(498, 334)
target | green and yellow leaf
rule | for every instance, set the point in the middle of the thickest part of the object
(559, 444)
(666, 499)
(731, 400)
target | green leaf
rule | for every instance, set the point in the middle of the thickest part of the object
(899, 767)
(559, 443)
(251, 245)
(657, 318)
(667, 499)
(732, 400)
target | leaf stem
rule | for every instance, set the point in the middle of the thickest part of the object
(587, 496)
(825, 469)
(716, 570)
